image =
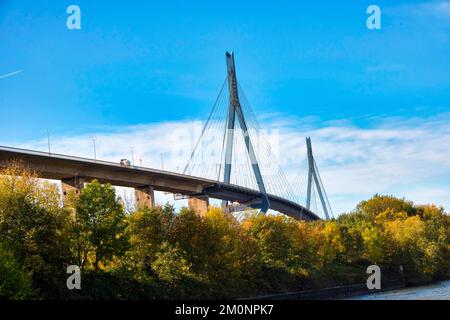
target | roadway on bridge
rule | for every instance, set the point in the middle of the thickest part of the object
(64, 167)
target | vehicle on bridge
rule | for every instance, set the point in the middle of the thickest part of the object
(125, 163)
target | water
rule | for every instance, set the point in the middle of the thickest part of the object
(436, 291)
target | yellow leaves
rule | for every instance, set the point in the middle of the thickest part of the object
(136, 216)
(333, 237)
(217, 217)
(223, 223)
(17, 182)
(302, 226)
(247, 225)
(373, 244)
(430, 211)
(405, 231)
(390, 215)
(15, 179)
(329, 230)
(379, 204)
(101, 265)
(215, 212)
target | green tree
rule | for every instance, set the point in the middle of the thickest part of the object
(100, 225)
(373, 244)
(272, 236)
(194, 236)
(15, 283)
(234, 259)
(33, 226)
(148, 229)
(170, 264)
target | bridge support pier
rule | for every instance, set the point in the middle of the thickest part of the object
(72, 186)
(199, 204)
(145, 197)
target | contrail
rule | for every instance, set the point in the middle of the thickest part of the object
(11, 74)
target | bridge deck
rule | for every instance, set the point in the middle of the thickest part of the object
(62, 167)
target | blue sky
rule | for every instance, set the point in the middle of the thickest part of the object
(152, 62)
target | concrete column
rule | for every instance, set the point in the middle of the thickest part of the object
(72, 186)
(145, 197)
(199, 204)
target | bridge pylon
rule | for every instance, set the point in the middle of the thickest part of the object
(314, 178)
(235, 110)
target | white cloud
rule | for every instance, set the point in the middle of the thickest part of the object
(404, 157)
(397, 157)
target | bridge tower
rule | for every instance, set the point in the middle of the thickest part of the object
(314, 177)
(235, 110)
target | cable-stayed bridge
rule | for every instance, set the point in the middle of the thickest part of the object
(232, 161)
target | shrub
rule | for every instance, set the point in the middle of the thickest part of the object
(15, 283)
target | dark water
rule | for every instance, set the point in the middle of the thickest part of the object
(436, 291)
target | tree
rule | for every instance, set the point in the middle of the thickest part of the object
(373, 244)
(437, 230)
(306, 245)
(148, 229)
(100, 225)
(270, 233)
(235, 255)
(170, 264)
(378, 204)
(33, 226)
(15, 283)
(196, 239)
(332, 245)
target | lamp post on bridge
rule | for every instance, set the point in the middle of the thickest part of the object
(162, 161)
(48, 142)
(95, 149)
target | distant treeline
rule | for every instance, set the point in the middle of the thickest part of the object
(159, 253)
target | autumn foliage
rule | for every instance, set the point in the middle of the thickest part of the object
(163, 254)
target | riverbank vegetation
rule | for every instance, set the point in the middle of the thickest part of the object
(159, 253)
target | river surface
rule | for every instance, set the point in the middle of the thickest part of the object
(435, 291)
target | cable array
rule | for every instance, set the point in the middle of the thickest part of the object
(208, 157)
